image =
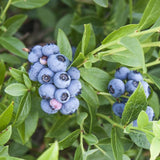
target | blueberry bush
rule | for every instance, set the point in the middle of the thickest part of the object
(79, 80)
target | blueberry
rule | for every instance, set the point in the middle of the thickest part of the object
(35, 54)
(118, 109)
(122, 73)
(134, 75)
(47, 91)
(131, 86)
(34, 71)
(46, 107)
(58, 62)
(45, 76)
(73, 52)
(55, 104)
(150, 114)
(147, 89)
(116, 87)
(62, 95)
(74, 73)
(70, 107)
(75, 88)
(62, 79)
(50, 49)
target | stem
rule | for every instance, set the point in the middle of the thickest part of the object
(139, 153)
(149, 64)
(81, 139)
(109, 120)
(143, 130)
(5, 10)
(100, 149)
(103, 46)
(130, 10)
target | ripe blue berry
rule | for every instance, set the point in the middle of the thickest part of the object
(62, 79)
(116, 87)
(58, 62)
(34, 71)
(35, 54)
(118, 109)
(75, 88)
(46, 107)
(131, 86)
(134, 75)
(62, 95)
(147, 89)
(74, 73)
(70, 107)
(45, 76)
(150, 113)
(47, 91)
(50, 49)
(122, 73)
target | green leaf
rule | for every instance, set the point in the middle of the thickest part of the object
(156, 128)
(58, 126)
(16, 74)
(134, 47)
(96, 77)
(23, 109)
(2, 71)
(5, 135)
(28, 127)
(68, 141)
(121, 32)
(117, 145)
(88, 39)
(155, 79)
(29, 4)
(64, 24)
(64, 45)
(139, 138)
(6, 116)
(13, 24)
(142, 119)
(13, 45)
(81, 118)
(16, 89)
(51, 153)
(27, 81)
(11, 59)
(89, 95)
(154, 149)
(91, 139)
(102, 3)
(79, 60)
(78, 154)
(134, 105)
(150, 15)
(44, 12)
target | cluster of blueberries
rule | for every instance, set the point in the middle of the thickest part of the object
(59, 86)
(126, 81)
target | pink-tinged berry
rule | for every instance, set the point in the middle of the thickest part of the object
(55, 104)
(43, 60)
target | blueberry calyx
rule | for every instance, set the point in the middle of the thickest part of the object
(64, 96)
(135, 83)
(46, 78)
(61, 58)
(111, 90)
(64, 77)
